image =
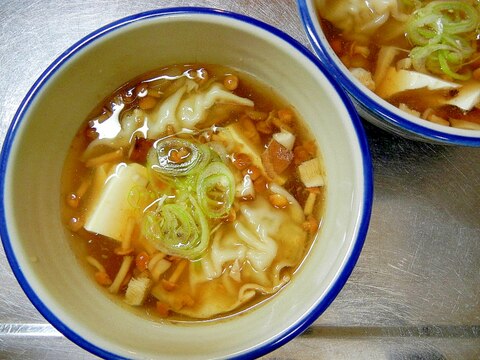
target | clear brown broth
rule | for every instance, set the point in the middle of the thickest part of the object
(103, 248)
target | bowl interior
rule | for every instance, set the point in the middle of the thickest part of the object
(35, 150)
(369, 105)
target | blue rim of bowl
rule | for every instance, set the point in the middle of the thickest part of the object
(367, 104)
(363, 221)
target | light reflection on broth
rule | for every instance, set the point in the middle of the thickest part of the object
(192, 193)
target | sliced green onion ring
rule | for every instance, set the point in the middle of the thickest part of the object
(216, 190)
(203, 188)
(443, 34)
(178, 229)
(159, 158)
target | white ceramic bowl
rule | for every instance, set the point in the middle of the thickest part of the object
(370, 106)
(49, 116)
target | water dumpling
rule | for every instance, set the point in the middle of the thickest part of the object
(244, 260)
(359, 17)
(184, 108)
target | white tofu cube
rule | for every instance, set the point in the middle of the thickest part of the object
(111, 209)
(468, 96)
(401, 80)
(285, 138)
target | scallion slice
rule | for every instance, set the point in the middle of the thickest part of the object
(172, 157)
(216, 190)
(443, 34)
(178, 229)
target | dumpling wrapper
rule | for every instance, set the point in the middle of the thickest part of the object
(255, 249)
(185, 108)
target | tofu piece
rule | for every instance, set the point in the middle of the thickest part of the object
(401, 80)
(110, 210)
(247, 146)
(468, 96)
(285, 138)
(137, 291)
(310, 173)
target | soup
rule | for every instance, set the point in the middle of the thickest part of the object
(421, 56)
(192, 192)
